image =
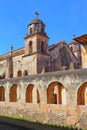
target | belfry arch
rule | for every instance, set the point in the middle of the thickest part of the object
(30, 47)
(32, 94)
(82, 94)
(56, 93)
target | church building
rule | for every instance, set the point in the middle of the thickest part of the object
(39, 57)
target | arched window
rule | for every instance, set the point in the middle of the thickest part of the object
(32, 94)
(30, 47)
(13, 93)
(64, 61)
(19, 73)
(25, 73)
(42, 47)
(2, 93)
(56, 94)
(30, 30)
(82, 94)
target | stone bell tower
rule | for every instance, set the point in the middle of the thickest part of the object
(83, 40)
(36, 45)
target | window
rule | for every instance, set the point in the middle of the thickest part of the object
(64, 61)
(19, 73)
(30, 47)
(25, 73)
(30, 30)
(42, 47)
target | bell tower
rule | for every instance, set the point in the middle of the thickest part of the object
(36, 44)
(36, 40)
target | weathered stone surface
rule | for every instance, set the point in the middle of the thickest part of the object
(69, 114)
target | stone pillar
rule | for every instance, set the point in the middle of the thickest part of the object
(7, 91)
(23, 93)
(44, 96)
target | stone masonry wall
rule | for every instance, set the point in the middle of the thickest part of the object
(75, 116)
(70, 114)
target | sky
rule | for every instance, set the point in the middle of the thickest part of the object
(63, 19)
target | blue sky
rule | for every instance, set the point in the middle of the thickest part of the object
(63, 18)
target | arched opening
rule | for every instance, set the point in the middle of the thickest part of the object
(30, 47)
(32, 94)
(19, 73)
(13, 93)
(30, 30)
(56, 93)
(2, 93)
(82, 94)
(42, 47)
(25, 72)
(64, 62)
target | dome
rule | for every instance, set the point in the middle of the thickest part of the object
(36, 21)
(36, 26)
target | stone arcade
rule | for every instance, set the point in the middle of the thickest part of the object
(45, 83)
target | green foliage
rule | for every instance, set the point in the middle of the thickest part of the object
(21, 118)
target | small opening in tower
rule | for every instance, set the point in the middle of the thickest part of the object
(42, 47)
(30, 30)
(30, 47)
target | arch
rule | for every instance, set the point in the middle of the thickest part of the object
(64, 61)
(32, 94)
(2, 93)
(30, 47)
(42, 47)
(82, 94)
(56, 93)
(31, 31)
(25, 72)
(19, 73)
(13, 93)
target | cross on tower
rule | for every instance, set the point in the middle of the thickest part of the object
(11, 47)
(36, 15)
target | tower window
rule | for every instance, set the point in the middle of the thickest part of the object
(30, 30)
(42, 47)
(30, 47)
(37, 27)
